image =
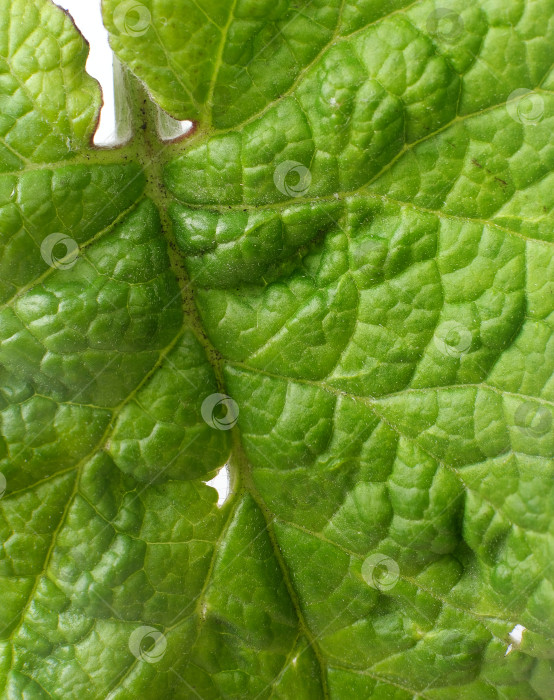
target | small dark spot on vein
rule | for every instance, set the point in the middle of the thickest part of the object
(476, 163)
(503, 182)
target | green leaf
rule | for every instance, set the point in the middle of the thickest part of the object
(339, 285)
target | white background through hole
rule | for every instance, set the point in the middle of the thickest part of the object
(87, 16)
(516, 635)
(221, 483)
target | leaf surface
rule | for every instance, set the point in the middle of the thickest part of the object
(355, 248)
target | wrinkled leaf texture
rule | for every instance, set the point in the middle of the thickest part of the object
(383, 323)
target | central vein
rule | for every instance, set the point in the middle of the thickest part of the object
(152, 154)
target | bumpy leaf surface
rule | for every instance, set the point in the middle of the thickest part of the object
(356, 246)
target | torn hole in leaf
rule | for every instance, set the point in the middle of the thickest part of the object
(100, 65)
(516, 635)
(170, 129)
(222, 484)
(114, 127)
